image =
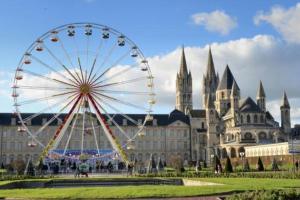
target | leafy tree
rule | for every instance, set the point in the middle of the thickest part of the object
(274, 165)
(260, 165)
(228, 166)
(204, 164)
(246, 166)
(177, 163)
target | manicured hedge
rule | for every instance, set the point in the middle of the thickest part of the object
(267, 195)
(207, 174)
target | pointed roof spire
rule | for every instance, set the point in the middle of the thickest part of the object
(183, 66)
(209, 102)
(285, 102)
(210, 70)
(227, 80)
(234, 90)
(260, 91)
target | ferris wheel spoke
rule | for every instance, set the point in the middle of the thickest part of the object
(67, 55)
(118, 111)
(113, 121)
(83, 131)
(52, 69)
(30, 101)
(122, 72)
(121, 82)
(113, 65)
(119, 101)
(72, 129)
(77, 52)
(121, 92)
(61, 64)
(44, 110)
(106, 58)
(94, 132)
(47, 78)
(95, 60)
(80, 67)
(55, 116)
(30, 87)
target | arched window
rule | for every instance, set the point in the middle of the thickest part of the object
(248, 135)
(242, 119)
(202, 125)
(262, 119)
(255, 118)
(248, 119)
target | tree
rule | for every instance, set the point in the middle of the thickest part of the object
(30, 169)
(246, 166)
(274, 165)
(204, 164)
(260, 165)
(228, 166)
(177, 163)
(19, 166)
(160, 165)
(217, 164)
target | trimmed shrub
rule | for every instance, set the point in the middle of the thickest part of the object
(228, 166)
(274, 165)
(177, 163)
(266, 195)
(246, 166)
(260, 165)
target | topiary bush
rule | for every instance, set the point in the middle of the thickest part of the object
(274, 165)
(228, 166)
(260, 165)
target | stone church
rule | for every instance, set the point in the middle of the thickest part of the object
(227, 123)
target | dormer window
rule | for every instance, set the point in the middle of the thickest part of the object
(13, 121)
(124, 122)
(154, 122)
(44, 121)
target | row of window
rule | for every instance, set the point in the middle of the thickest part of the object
(255, 119)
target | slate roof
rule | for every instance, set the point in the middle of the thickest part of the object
(248, 105)
(162, 119)
(227, 80)
(198, 113)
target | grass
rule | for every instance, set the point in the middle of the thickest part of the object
(230, 185)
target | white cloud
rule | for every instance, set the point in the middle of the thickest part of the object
(285, 21)
(216, 21)
(262, 57)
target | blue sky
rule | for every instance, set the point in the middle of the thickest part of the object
(159, 27)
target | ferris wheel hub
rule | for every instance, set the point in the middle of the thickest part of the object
(85, 88)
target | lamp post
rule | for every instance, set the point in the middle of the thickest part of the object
(242, 155)
(212, 161)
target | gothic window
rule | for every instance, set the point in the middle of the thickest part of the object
(262, 119)
(255, 118)
(262, 136)
(242, 119)
(248, 119)
(248, 135)
(202, 125)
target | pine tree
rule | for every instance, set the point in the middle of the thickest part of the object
(216, 163)
(228, 166)
(260, 165)
(246, 166)
(274, 165)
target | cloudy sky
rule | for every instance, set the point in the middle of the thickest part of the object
(258, 40)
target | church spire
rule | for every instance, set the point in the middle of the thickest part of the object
(260, 91)
(285, 102)
(210, 70)
(183, 66)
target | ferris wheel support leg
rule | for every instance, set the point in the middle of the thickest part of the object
(59, 130)
(108, 132)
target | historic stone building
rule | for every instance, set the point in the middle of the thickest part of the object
(226, 124)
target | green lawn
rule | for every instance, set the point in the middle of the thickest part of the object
(230, 184)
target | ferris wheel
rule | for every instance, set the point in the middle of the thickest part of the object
(79, 80)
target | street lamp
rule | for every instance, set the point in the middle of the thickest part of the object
(242, 155)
